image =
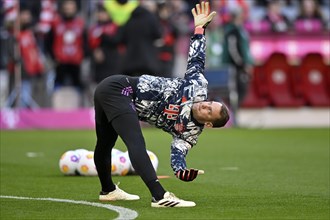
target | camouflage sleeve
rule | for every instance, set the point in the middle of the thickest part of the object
(179, 150)
(196, 56)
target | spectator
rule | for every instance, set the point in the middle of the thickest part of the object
(236, 53)
(166, 45)
(8, 51)
(47, 14)
(5, 46)
(180, 14)
(278, 21)
(226, 6)
(120, 10)
(310, 16)
(31, 61)
(310, 9)
(33, 6)
(215, 39)
(139, 35)
(103, 41)
(67, 44)
(151, 6)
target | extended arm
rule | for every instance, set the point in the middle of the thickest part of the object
(196, 56)
(179, 150)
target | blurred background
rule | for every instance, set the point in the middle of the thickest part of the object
(269, 60)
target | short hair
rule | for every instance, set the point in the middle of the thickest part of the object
(224, 117)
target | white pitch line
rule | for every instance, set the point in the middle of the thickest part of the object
(34, 154)
(124, 213)
(230, 168)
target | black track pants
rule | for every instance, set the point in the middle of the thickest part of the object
(127, 126)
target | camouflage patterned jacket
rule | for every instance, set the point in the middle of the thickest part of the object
(167, 102)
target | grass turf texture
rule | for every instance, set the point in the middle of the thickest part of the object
(249, 174)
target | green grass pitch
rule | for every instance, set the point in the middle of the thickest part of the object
(249, 174)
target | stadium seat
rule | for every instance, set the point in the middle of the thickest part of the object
(297, 87)
(256, 97)
(315, 76)
(327, 77)
(279, 80)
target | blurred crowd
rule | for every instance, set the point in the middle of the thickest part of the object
(54, 52)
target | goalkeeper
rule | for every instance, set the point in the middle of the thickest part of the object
(177, 106)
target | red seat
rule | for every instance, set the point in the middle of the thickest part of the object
(314, 78)
(327, 76)
(297, 87)
(279, 81)
(254, 98)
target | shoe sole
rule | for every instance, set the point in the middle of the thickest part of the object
(171, 205)
(111, 200)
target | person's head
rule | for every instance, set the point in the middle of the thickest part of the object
(69, 9)
(25, 18)
(310, 8)
(149, 5)
(164, 11)
(274, 7)
(237, 16)
(102, 15)
(210, 113)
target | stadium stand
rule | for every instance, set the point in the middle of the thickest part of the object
(314, 74)
(257, 93)
(279, 79)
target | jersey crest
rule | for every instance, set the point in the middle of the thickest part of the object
(172, 111)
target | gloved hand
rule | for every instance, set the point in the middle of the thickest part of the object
(188, 175)
(202, 15)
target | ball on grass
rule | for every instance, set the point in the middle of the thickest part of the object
(86, 166)
(120, 164)
(69, 162)
(152, 156)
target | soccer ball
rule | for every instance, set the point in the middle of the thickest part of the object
(131, 169)
(86, 166)
(69, 162)
(120, 164)
(115, 152)
(152, 156)
(81, 152)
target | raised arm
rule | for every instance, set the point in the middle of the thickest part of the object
(196, 56)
